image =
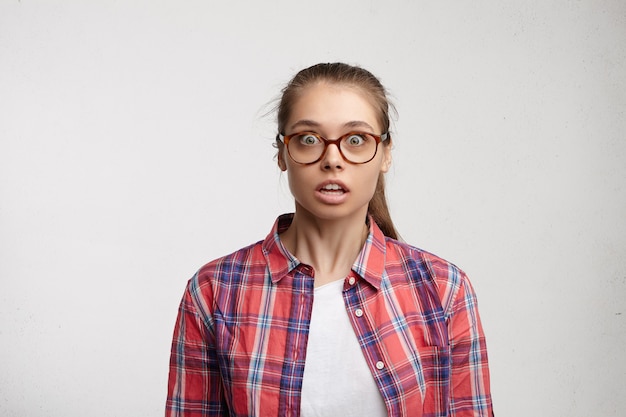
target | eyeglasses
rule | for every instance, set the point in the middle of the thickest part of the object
(355, 147)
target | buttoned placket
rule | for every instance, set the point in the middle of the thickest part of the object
(359, 320)
(305, 275)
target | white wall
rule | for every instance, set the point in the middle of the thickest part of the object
(133, 149)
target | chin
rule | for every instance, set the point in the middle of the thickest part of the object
(332, 212)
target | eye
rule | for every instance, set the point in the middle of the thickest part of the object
(308, 139)
(356, 139)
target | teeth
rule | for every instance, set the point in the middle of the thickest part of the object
(331, 187)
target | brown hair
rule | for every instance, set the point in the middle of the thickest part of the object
(339, 73)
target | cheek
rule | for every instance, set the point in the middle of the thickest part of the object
(372, 183)
(296, 178)
(365, 184)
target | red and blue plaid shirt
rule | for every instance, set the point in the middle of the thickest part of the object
(240, 339)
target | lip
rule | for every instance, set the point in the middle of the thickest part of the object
(332, 198)
(339, 183)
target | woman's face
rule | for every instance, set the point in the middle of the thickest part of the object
(331, 111)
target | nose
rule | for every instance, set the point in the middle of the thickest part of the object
(332, 158)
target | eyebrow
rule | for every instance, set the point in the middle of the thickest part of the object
(313, 124)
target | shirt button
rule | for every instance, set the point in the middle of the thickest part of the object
(358, 312)
(380, 365)
(351, 281)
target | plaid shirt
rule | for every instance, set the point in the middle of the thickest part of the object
(240, 339)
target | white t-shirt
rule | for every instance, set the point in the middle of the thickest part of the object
(337, 380)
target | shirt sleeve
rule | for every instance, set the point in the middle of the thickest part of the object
(469, 385)
(195, 387)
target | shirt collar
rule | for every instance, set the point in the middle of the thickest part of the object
(279, 261)
(369, 264)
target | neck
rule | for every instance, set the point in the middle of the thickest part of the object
(329, 246)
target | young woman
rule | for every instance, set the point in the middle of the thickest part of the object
(330, 315)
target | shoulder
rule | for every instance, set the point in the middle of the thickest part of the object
(226, 273)
(231, 267)
(433, 265)
(425, 268)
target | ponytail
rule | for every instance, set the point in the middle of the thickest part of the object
(379, 210)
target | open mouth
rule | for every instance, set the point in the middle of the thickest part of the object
(334, 189)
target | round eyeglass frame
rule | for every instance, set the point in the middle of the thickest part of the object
(337, 142)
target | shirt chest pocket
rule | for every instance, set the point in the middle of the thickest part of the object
(420, 379)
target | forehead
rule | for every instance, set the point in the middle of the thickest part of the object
(334, 105)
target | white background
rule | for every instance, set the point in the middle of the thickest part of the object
(134, 148)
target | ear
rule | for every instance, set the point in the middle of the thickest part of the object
(281, 157)
(386, 159)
